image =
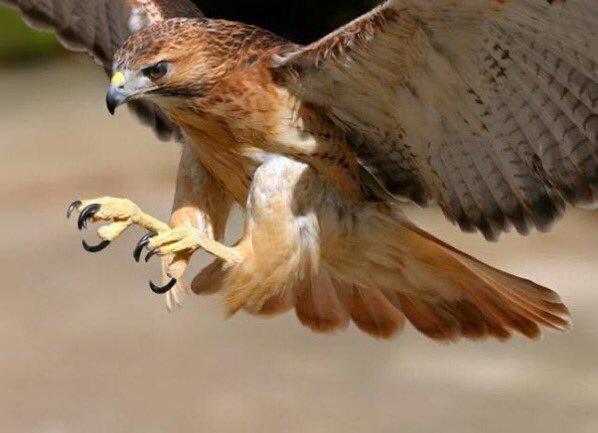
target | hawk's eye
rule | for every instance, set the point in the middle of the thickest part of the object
(157, 71)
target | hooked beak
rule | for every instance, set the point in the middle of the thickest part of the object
(114, 98)
(117, 95)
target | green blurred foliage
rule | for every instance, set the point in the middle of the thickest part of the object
(298, 20)
(19, 42)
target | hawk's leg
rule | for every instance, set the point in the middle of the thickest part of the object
(198, 220)
(280, 245)
(123, 213)
(201, 207)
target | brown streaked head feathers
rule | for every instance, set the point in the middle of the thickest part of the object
(201, 51)
(221, 41)
(161, 41)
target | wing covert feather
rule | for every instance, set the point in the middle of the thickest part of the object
(487, 107)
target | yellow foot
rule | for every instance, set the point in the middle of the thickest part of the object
(176, 247)
(161, 240)
(188, 240)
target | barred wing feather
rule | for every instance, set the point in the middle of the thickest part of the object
(487, 107)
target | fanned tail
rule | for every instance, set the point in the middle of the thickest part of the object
(480, 301)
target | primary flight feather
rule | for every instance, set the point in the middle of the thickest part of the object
(488, 108)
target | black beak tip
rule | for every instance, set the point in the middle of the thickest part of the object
(110, 105)
(115, 98)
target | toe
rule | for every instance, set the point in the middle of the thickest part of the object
(187, 245)
(112, 208)
(112, 231)
(166, 238)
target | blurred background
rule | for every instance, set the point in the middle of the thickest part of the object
(85, 347)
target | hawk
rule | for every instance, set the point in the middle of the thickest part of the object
(487, 108)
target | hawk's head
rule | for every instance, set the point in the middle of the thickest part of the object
(177, 58)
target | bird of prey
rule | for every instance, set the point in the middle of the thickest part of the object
(487, 108)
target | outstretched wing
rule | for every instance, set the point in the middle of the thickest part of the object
(487, 107)
(99, 27)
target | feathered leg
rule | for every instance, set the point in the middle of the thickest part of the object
(199, 204)
(283, 265)
(280, 242)
(280, 249)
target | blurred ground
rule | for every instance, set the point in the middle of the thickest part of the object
(86, 348)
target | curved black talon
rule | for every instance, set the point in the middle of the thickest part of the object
(87, 213)
(151, 254)
(163, 290)
(72, 208)
(143, 242)
(97, 248)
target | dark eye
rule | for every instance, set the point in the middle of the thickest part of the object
(157, 71)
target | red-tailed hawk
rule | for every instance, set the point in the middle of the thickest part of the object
(488, 108)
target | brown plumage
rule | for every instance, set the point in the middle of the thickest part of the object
(488, 108)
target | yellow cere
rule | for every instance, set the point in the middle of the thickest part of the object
(118, 79)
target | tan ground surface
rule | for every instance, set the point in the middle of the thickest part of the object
(85, 348)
